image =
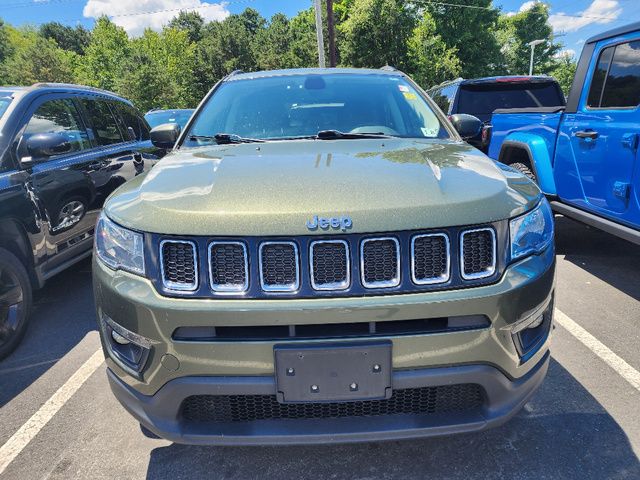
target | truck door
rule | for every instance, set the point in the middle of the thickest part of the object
(597, 146)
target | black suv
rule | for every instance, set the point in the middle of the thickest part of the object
(481, 96)
(63, 150)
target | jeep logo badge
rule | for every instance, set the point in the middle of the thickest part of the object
(343, 223)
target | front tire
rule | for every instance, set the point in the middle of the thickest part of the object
(16, 298)
(524, 169)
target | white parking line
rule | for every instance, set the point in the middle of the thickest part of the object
(19, 440)
(621, 367)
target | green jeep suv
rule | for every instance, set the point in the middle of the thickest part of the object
(321, 258)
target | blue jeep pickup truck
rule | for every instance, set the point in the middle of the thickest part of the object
(585, 156)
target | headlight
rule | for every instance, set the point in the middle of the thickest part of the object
(531, 232)
(119, 247)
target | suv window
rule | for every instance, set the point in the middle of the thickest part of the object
(57, 116)
(132, 118)
(616, 79)
(280, 107)
(104, 125)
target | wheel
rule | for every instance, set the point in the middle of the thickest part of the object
(15, 301)
(524, 169)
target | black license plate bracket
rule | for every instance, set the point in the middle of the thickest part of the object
(337, 372)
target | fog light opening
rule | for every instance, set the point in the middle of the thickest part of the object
(126, 348)
(530, 334)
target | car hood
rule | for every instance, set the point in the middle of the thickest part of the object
(274, 188)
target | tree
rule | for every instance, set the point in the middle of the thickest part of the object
(470, 30)
(430, 60)
(68, 38)
(104, 59)
(376, 32)
(272, 45)
(190, 22)
(565, 71)
(515, 31)
(304, 47)
(36, 59)
(159, 72)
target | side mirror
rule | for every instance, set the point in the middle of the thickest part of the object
(467, 126)
(44, 145)
(165, 135)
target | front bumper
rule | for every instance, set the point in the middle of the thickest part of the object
(161, 413)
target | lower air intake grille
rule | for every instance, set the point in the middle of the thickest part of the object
(248, 408)
(179, 271)
(478, 253)
(228, 267)
(430, 258)
(279, 267)
(330, 265)
(380, 262)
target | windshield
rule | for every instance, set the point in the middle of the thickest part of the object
(291, 106)
(4, 103)
(181, 117)
(484, 99)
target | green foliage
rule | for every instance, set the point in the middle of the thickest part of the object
(106, 56)
(564, 72)
(431, 61)
(376, 32)
(34, 58)
(68, 38)
(471, 32)
(516, 31)
(190, 22)
(176, 67)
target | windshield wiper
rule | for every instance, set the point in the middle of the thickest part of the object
(224, 138)
(338, 135)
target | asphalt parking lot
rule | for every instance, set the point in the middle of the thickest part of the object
(583, 423)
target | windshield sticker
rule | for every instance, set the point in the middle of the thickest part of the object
(403, 88)
(410, 96)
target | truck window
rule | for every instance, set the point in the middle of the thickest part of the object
(619, 87)
(483, 99)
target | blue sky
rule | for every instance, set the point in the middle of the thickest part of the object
(573, 20)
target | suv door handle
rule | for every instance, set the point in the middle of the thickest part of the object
(591, 134)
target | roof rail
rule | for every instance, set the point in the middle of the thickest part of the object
(235, 72)
(72, 85)
(389, 68)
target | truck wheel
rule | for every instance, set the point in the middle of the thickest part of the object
(15, 301)
(524, 169)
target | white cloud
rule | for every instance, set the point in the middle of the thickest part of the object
(599, 12)
(131, 15)
(567, 52)
(527, 5)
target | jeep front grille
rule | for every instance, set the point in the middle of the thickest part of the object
(380, 262)
(430, 258)
(323, 265)
(478, 253)
(409, 401)
(228, 267)
(279, 270)
(329, 262)
(178, 260)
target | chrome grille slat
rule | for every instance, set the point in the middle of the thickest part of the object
(430, 259)
(329, 264)
(228, 267)
(477, 253)
(179, 265)
(380, 262)
(279, 266)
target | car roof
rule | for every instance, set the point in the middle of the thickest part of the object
(163, 110)
(312, 71)
(496, 79)
(631, 27)
(61, 88)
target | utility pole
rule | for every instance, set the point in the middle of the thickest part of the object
(318, 8)
(332, 34)
(533, 44)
